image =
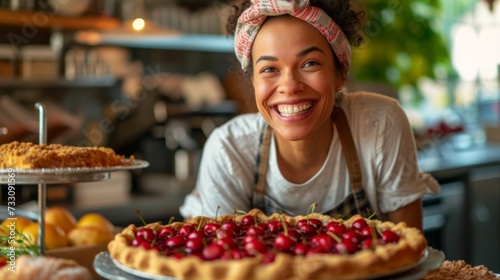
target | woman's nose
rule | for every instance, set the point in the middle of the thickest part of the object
(290, 83)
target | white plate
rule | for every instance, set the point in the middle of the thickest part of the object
(110, 269)
(107, 268)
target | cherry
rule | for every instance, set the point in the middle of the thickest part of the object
(247, 221)
(196, 234)
(223, 233)
(370, 232)
(346, 246)
(353, 235)
(269, 257)
(263, 226)
(314, 222)
(323, 240)
(316, 250)
(389, 236)
(301, 249)
(233, 254)
(255, 247)
(139, 241)
(167, 232)
(226, 242)
(186, 229)
(370, 243)
(229, 225)
(284, 242)
(194, 245)
(251, 238)
(175, 241)
(275, 227)
(255, 230)
(337, 228)
(294, 234)
(147, 233)
(211, 228)
(213, 251)
(309, 226)
(307, 229)
(360, 224)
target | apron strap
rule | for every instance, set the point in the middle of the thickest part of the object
(349, 151)
(262, 164)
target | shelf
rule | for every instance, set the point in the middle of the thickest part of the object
(224, 107)
(22, 18)
(17, 83)
(185, 42)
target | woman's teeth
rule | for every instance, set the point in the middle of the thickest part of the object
(293, 110)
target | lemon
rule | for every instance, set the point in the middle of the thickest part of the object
(19, 224)
(60, 217)
(95, 220)
(89, 236)
(55, 237)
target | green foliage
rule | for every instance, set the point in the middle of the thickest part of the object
(24, 246)
(402, 42)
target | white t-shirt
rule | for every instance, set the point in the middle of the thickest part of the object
(386, 151)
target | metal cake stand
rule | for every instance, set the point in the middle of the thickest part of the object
(44, 176)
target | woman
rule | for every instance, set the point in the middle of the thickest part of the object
(310, 142)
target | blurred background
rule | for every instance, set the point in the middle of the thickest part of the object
(153, 78)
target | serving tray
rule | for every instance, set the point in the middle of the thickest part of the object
(106, 267)
(65, 175)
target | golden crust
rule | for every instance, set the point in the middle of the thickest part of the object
(26, 155)
(382, 259)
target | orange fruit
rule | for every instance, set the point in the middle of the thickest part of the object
(89, 236)
(55, 237)
(95, 220)
(60, 217)
(19, 224)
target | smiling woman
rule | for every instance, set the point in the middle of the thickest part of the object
(311, 140)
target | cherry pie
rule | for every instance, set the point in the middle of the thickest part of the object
(256, 246)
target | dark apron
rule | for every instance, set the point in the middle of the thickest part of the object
(355, 203)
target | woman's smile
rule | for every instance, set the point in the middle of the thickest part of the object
(291, 110)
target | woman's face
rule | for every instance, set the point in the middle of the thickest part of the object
(294, 78)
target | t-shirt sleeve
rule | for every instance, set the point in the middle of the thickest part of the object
(399, 180)
(223, 179)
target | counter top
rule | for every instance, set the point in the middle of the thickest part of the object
(451, 163)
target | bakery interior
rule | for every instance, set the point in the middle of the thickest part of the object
(153, 78)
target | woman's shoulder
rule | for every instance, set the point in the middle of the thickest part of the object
(241, 130)
(242, 125)
(369, 99)
(368, 103)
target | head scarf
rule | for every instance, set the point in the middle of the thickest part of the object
(252, 19)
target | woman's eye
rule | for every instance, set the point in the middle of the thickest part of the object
(268, 70)
(311, 63)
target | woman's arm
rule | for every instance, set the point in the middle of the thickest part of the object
(411, 214)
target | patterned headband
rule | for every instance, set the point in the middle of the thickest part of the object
(252, 19)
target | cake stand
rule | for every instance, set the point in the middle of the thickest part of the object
(44, 176)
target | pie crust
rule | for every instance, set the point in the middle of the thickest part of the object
(26, 155)
(379, 260)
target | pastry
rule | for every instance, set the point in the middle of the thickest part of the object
(26, 155)
(256, 246)
(44, 268)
